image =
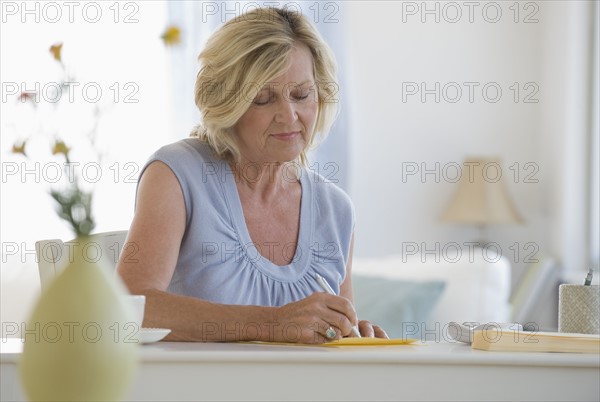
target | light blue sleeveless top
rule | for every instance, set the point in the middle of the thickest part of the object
(217, 259)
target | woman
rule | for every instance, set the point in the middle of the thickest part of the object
(230, 228)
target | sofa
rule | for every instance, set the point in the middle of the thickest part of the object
(417, 296)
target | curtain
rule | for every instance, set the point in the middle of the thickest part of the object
(198, 19)
(595, 148)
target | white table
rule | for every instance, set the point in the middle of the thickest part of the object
(431, 371)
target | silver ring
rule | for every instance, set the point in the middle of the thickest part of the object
(330, 333)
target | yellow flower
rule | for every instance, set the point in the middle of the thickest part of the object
(19, 148)
(60, 148)
(171, 36)
(55, 50)
(27, 97)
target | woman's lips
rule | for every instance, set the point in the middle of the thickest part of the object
(286, 136)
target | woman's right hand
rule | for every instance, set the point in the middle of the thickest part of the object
(307, 320)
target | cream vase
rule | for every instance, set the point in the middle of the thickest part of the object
(80, 342)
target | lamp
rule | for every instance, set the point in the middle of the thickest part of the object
(481, 198)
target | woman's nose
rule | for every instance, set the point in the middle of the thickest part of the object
(286, 111)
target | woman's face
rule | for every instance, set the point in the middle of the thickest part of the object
(281, 118)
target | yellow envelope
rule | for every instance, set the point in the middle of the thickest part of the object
(368, 342)
(347, 342)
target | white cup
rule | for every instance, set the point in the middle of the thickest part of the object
(137, 303)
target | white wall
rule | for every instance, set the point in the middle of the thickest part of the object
(100, 53)
(389, 130)
(567, 117)
(107, 54)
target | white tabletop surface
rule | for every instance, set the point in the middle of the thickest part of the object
(418, 353)
(272, 372)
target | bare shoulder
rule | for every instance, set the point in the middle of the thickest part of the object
(156, 175)
(156, 231)
(160, 205)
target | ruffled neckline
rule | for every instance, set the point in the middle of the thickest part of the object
(300, 263)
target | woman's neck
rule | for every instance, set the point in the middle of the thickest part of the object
(265, 180)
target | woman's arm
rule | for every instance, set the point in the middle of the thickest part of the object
(156, 232)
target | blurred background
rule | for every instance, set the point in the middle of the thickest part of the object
(425, 87)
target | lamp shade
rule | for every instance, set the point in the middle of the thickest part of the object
(481, 197)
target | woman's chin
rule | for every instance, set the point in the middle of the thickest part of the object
(289, 154)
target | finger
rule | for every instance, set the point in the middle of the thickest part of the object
(379, 332)
(366, 329)
(319, 338)
(330, 332)
(342, 306)
(339, 321)
(313, 334)
(332, 311)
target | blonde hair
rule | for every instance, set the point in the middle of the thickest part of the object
(244, 54)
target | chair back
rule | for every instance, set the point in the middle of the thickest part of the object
(54, 255)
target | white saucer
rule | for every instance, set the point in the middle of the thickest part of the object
(151, 335)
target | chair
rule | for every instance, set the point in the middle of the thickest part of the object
(53, 255)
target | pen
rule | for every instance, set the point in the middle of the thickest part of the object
(588, 278)
(323, 283)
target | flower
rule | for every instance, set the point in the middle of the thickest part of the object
(19, 148)
(27, 96)
(171, 36)
(74, 203)
(60, 148)
(55, 50)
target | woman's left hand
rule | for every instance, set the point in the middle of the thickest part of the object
(369, 330)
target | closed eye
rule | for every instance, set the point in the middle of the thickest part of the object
(262, 100)
(304, 94)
